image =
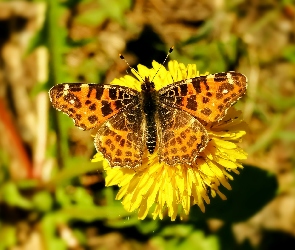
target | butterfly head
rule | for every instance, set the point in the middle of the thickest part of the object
(147, 85)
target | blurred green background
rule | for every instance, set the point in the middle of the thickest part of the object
(53, 197)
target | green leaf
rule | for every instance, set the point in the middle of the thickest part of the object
(180, 230)
(79, 167)
(82, 198)
(11, 195)
(48, 229)
(289, 53)
(43, 201)
(108, 9)
(92, 17)
(93, 213)
(7, 236)
(39, 39)
(287, 135)
(194, 240)
(62, 197)
(27, 184)
(198, 240)
(123, 222)
(148, 226)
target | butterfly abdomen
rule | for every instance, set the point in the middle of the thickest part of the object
(151, 134)
(149, 107)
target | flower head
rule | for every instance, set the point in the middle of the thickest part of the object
(172, 190)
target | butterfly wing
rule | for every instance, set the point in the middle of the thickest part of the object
(206, 97)
(121, 139)
(181, 136)
(89, 105)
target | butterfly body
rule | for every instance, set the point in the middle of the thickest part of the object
(149, 107)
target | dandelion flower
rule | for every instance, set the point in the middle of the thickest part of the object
(172, 190)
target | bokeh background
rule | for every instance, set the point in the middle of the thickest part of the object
(53, 197)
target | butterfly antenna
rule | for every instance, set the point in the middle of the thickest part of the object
(169, 52)
(123, 58)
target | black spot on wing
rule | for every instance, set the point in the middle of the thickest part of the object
(122, 142)
(179, 100)
(72, 110)
(191, 103)
(108, 142)
(91, 87)
(75, 89)
(183, 135)
(206, 111)
(92, 107)
(119, 152)
(118, 104)
(174, 150)
(206, 99)
(197, 84)
(73, 100)
(99, 93)
(225, 86)
(206, 84)
(57, 91)
(121, 94)
(128, 153)
(113, 94)
(117, 161)
(106, 108)
(220, 107)
(184, 149)
(183, 89)
(92, 119)
(83, 126)
(219, 95)
(226, 100)
(220, 75)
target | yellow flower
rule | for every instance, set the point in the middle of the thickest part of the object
(173, 190)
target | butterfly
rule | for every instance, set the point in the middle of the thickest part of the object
(170, 120)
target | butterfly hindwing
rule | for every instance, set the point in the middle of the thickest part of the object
(121, 139)
(181, 136)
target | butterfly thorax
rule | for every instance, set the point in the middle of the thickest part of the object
(149, 107)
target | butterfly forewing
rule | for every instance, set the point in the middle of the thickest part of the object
(206, 97)
(92, 104)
